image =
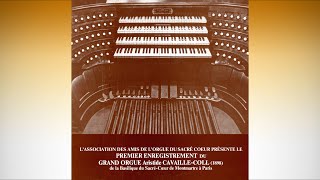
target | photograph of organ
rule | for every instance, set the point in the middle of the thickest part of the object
(160, 67)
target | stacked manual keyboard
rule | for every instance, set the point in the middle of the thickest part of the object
(154, 37)
(210, 33)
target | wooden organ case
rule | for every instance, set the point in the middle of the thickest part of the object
(160, 67)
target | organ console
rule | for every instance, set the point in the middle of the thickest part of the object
(160, 67)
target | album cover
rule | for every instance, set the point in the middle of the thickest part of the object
(160, 89)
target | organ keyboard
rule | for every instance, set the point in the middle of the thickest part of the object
(162, 40)
(162, 52)
(163, 19)
(163, 29)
